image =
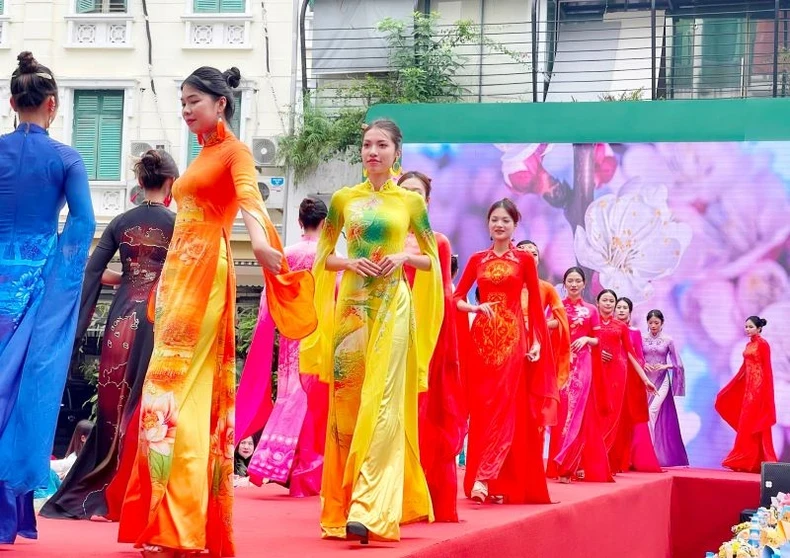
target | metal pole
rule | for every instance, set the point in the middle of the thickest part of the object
(303, 45)
(534, 51)
(427, 9)
(653, 49)
(291, 183)
(776, 48)
(482, 51)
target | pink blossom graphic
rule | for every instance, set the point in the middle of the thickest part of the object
(631, 240)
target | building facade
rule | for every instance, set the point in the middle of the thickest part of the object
(119, 65)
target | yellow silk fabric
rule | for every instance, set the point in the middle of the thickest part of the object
(373, 347)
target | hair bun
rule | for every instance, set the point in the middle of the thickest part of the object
(151, 160)
(232, 77)
(763, 322)
(27, 64)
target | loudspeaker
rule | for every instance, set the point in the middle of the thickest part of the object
(774, 478)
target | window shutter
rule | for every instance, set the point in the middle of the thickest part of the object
(110, 132)
(86, 128)
(97, 132)
(117, 6)
(193, 148)
(722, 45)
(88, 6)
(2, 7)
(205, 6)
(232, 6)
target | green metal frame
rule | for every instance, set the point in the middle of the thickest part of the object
(612, 122)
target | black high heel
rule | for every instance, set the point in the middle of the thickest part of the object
(355, 531)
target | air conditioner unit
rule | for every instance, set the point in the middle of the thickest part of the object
(139, 147)
(273, 190)
(264, 151)
(134, 194)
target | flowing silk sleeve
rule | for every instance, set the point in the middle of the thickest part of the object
(290, 293)
(636, 343)
(767, 399)
(561, 336)
(315, 351)
(635, 387)
(254, 394)
(25, 465)
(678, 372)
(462, 329)
(428, 289)
(468, 278)
(625, 339)
(92, 285)
(542, 379)
(445, 257)
(536, 317)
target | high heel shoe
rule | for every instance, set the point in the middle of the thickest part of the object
(355, 531)
(479, 492)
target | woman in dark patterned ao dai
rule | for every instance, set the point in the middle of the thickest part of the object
(142, 236)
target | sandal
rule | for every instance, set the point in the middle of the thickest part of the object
(479, 492)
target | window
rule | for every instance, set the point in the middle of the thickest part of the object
(713, 56)
(193, 146)
(101, 6)
(2, 7)
(219, 6)
(97, 131)
(722, 49)
(682, 54)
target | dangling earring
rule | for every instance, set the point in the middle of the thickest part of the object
(395, 169)
(168, 200)
(365, 173)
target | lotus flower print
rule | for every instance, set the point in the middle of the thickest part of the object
(158, 419)
(631, 240)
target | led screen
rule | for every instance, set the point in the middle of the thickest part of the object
(699, 230)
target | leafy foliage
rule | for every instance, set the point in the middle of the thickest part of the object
(90, 371)
(635, 95)
(424, 68)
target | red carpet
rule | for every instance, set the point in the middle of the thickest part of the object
(678, 514)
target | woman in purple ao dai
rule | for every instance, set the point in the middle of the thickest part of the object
(661, 358)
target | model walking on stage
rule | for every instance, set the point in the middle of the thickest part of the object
(373, 346)
(180, 495)
(617, 357)
(513, 382)
(291, 450)
(442, 423)
(747, 404)
(560, 338)
(636, 446)
(582, 454)
(41, 274)
(665, 369)
(142, 236)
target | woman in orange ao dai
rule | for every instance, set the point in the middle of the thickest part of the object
(180, 497)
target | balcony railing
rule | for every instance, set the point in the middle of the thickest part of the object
(587, 50)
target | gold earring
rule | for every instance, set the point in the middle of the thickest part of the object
(364, 173)
(395, 169)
